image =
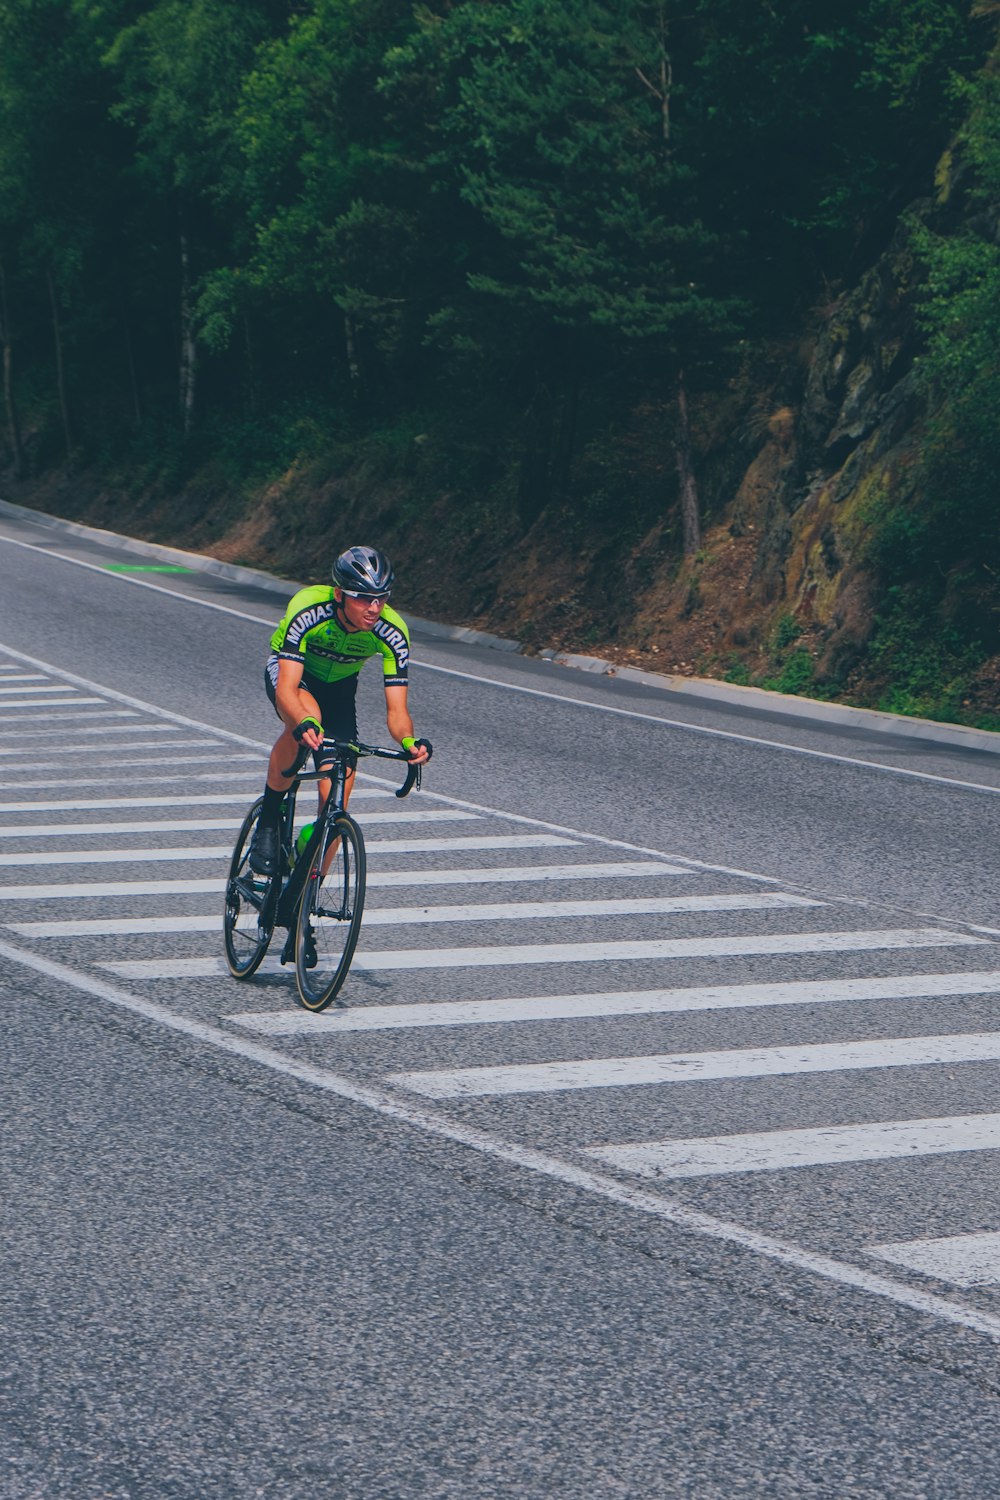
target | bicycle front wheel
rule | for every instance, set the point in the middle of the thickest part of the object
(328, 922)
(251, 903)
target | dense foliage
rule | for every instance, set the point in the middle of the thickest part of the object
(238, 226)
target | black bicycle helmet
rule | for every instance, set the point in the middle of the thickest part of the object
(363, 570)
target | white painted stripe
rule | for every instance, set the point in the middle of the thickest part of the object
(911, 987)
(419, 815)
(417, 1116)
(962, 1259)
(703, 1067)
(646, 869)
(189, 825)
(85, 804)
(398, 916)
(117, 927)
(224, 755)
(118, 856)
(183, 799)
(394, 878)
(10, 673)
(88, 889)
(827, 1145)
(56, 857)
(32, 752)
(230, 774)
(70, 716)
(47, 687)
(657, 948)
(102, 729)
(207, 798)
(467, 842)
(146, 825)
(44, 830)
(407, 958)
(46, 707)
(209, 966)
(530, 911)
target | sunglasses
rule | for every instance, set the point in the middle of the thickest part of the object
(365, 598)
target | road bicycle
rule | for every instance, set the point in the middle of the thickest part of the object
(317, 892)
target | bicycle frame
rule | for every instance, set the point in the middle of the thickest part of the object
(333, 765)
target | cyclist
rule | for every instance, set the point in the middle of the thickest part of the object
(311, 677)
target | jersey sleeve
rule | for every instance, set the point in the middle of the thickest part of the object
(305, 611)
(394, 643)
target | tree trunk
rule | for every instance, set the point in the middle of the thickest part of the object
(60, 367)
(664, 84)
(189, 349)
(690, 520)
(13, 426)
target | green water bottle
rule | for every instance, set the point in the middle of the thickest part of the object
(305, 834)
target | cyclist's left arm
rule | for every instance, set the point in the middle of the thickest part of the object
(400, 724)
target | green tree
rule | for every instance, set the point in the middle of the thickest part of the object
(816, 121)
(179, 67)
(555, 126)
(58, 158)
(332, 218)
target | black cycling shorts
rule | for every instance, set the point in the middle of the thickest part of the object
(337, 706)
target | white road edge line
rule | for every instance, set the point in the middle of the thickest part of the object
(514, 687)
(625, 1195)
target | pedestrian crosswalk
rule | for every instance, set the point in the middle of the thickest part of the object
(668, 1021)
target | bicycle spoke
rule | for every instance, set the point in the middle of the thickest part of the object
(251, 900)
(329, 915)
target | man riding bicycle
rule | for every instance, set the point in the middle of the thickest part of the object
(311, 677)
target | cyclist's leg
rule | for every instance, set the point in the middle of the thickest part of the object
(286, 746)
(337, 704)
(265, 844)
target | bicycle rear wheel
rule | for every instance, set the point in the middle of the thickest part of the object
(328, 921)
(251, 904)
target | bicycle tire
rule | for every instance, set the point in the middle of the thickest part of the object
(251, 905)
(330, 913)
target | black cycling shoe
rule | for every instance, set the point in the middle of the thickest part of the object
(288, 951)
(264, 849)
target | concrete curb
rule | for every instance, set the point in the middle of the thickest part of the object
(760, 700)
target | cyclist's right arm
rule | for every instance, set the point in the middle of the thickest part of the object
(291, 705)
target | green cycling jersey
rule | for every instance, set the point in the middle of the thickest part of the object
(311, 633)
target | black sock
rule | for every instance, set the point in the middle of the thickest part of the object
(272, 804)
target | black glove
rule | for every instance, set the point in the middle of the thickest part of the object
(300, 729)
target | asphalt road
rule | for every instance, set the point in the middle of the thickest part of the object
(402, 1249)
